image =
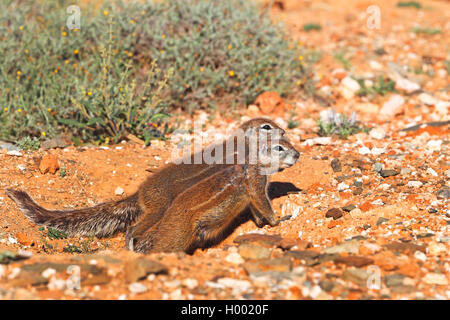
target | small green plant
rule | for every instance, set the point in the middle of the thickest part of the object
(28, 143)
(86, 245)
(62, 171)
(53, 233)
(311, 26)
(409, 4)
(340, 125)
(341, 58)
(70, 248)
(292, 123)
(381, 86)
(426, 30)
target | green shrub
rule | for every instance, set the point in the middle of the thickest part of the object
(311, 26)
(406, 4)
(101, 81)
(28, 143)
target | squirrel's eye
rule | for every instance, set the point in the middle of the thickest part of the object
(266, 127)
(278, 148)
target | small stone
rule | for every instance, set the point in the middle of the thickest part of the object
(393, 106)
(443, 193)
(436, 278)
(351, 84)
(190, 283)
(265, 265)
(251, 251)
(334, 213)
(434, 145)
(436, 249)
(234, 258)
(359, 276)
(24, 239)
(336, 165)
(137, 288)
(137, 269)
(414, 184)
(381, 220)
(119, 191)
(427, 99)
(14, 153)
(394, 280)
(377, 133)
(242, 285)
(364, 150)
(47, 273)
(378, 166)
(342, 186)
(369, 108)
(405, 171)
(405, 247)
(432, 172)
(264, 239)
(419, 255)
(349, 207)
(388, 173)
(355, 261)
(49, 163)
(406, 85)
(349, 246)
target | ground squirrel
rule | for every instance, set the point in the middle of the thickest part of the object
(200, 214)
(153, 197)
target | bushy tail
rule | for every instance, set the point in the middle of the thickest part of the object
(101, 220)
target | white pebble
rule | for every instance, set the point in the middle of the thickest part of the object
(414, 184)
(234, 258)
(432, 172)
(377, 133)
(119, 191)
(364, 150)
(137, 287)
(47, 273)
(419, 255)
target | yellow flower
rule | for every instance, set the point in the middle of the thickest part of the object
(89, 93)
(43, 133)
(202, 69)
(230, 47)
(75, 30)
(48, 110)
(19, 72)
(231, 73)
(300, 58)
(64, 33)
(26, 51)
(66, 62)
(161, 51)
(163, 36)
(21, 28)
(105, 13)
(131, 21)
(19, 110)
(75, 51)
(5, 109)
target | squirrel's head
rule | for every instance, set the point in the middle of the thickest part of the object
(262, 126)
(276, 155)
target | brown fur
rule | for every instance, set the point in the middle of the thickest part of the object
(152, 199)
(202, 212)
